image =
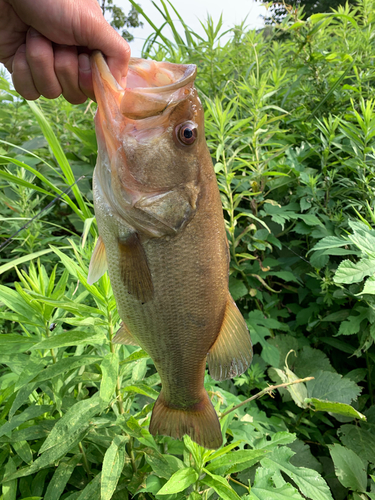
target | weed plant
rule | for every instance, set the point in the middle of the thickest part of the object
(290, 123)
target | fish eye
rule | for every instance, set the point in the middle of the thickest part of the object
(187, 133)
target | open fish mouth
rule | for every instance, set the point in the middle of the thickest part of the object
(151, 86)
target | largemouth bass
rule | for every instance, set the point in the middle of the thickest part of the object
(162, 237)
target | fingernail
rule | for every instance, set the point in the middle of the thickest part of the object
(84, 62)
(33, 32)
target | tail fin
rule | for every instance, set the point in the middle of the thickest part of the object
(200, 422)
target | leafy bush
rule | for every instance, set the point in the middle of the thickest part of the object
(290, 123)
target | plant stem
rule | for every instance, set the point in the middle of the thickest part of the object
(86, 465)
(241, 484)
(266, 391)
(120, 401)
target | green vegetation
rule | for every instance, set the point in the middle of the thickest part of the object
(290, 123)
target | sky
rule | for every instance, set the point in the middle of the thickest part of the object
(234, 12)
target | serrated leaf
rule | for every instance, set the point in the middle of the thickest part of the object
(349, 468)
(75, 421)
(109, 368)
(327, 243)
(353, 272)
(311, 484)
(297, 391)
(332, 386)
(113, 463)
(235, 461)
(220, 485)
(359, 439)
(265, 489)
(369, 287)
(237, 288)
(180, 480)
(332, 407)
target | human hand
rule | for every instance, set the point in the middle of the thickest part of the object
(45, 45)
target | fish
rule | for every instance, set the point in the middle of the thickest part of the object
(162, 239)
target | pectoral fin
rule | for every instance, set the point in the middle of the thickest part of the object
(232, 351)
(123, 336)
(135, 272)
(98, 263)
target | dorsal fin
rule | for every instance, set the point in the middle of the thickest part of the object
(98, 262)
(232, 351)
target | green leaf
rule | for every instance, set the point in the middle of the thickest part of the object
(60, 478)
(180, 480)
(359, 439)
(332, 407)
(369, 286)
(92, 490)
(350, 272)
(349, 468)
(142, 389)
(311, 484)
(21, 260)
(237, 288)
(332, 386)
(64, 365)
(328, 242)
(70, 338)
(75, 420)
(113, 463)
(163, 465)
(235, 461)
(109, 368)
(30, 413)
(9, 487)
(297, 391)
(264, 488)
(220, 485)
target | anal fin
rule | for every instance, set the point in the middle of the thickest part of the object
(135, 272)
(98, 263)
(232, 352)
(123, 336)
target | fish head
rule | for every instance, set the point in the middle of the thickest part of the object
(150, 133)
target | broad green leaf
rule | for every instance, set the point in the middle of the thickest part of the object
(142, 389)
(135, 356)
(109, 368)
(369, 287)
(237, 288)
(75, 421)
(163, 465)
(51, 456)
(297, 391)
(332, 386)
(235, 461)
(220, 485)
(23, 450)
(179, 481)
(92, 490)
(350, 272)
(265, 489)
(359, 439)
(9, 487)
(277, 439)
(65, 365)
(328, 242)
(364, 241)
(349, 468)
(60, 478)
(70, 338)
(311, 484)
(30, 413)
(113, 464)
(332, 407)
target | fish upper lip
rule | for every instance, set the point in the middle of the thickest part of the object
(187, 74)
